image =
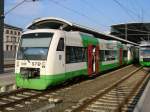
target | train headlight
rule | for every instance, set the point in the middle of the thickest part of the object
(23, 71)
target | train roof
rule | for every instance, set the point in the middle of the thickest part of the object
(59, 23)
(145, 43)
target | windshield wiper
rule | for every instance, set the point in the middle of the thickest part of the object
(26, 58)
(24, 55)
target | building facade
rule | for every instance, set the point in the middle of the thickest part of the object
(11, 39)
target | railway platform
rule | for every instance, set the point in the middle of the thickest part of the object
(144, 103)
(7, 80)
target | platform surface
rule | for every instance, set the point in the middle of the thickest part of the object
(7, 77)
(144, 102)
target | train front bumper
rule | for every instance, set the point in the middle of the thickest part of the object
(147, 64)
(40, 83)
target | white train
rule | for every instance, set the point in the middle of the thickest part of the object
(144, 54)
(48, 55)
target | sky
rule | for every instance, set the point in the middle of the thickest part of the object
(97, 14)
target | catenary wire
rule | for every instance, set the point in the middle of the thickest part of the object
(7, 12)
(77, 12)
(126, 10)
(98, 10)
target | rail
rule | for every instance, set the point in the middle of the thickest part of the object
(21, 96)
(84, 105)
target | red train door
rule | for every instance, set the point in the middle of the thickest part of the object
(90, 59)
(120, 56)
(93, 60)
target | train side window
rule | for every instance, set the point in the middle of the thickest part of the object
(84, 55)
(70, 55)
(60, 46)
(102, 55)
(75, 54)
(125, 53)
(110, 55)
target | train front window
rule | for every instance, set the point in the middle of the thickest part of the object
(145, 51)
(34, 46)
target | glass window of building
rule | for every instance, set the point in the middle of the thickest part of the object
(18, 33)
(11, 47)
(7, 31)
(7, 47)
(15, 33)
(11, 32)
(14, 48)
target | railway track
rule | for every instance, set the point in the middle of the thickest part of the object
(119, 97)
(29, 100)
(21, 97)
(16, 97)
(81, 91)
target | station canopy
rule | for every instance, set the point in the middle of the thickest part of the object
(61, 24)
(135, 32)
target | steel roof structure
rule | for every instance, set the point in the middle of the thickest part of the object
(58, 23)
(135, 32)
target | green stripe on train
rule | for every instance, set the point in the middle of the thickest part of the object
(145, 63)
(46, 80)
(105, 67)
(89, 40)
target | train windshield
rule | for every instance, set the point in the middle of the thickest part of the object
(145, 51)
(34, 46)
